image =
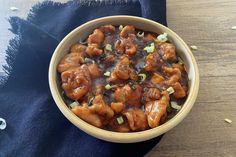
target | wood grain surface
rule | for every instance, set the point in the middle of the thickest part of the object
(203, 133)
(206, 24)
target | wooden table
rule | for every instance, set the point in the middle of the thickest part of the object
(206, 24)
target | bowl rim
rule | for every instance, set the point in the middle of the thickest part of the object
(117, 136)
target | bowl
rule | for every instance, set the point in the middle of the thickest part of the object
(141, 23)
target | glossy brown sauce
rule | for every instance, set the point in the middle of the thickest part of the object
(122, 101)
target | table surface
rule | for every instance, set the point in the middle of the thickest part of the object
(206, 24)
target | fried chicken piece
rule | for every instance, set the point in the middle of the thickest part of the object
(179, 90)
(87, 115)
(120, 46)
(124, 127)
(78, 48)
(97, 37)
(95, 41)
(174, 75)
(94, 70)
(76, 82)
(128, 95)
(157, 78)
(151, 94)
(149, 37)
(99, 114)
(153, 62)
(117, 107)
(107, 29)
(155, 110)
(71, 60)
(179, 66)
(99, 89)
(167, 50)
(122, 71)
(93, 50)
(129, 29)
(137, 119)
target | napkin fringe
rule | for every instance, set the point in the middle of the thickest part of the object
(37, 7)
(11, 53)
(94, 3)
(103, 2)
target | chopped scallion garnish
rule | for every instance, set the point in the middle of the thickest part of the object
(83, 42)
(169, 109)
(108, 47)
(170, 90)
(90, 100)
(88, 60)
(150, 48)
(120, 120)
(162, 37)
(121, 27)
(233, 27)
(74, 104)
(108, 87)
(180, 61)
(228, 120)
(193, 47)
(108, 73)
(175, 105)
(143, 108)
(103, 56)
(140, 35)
(81, 59)
(142, 77)
(132, 84)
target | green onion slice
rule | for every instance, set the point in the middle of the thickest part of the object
(132, 84)
(108, 87)
(90, 100)
(169, 109)
(228, 120)
(107, 73)
(88, 60)
(162, 37)
(103, 56)
(180, 61)
(143, 108)
(121, 27)
(143, 77)
(81, 59)
(193, 47)
(150, 48)
(170, 90)
(83, 42)
(108, 47)
(140, 35)
(120, 120)
(74, 104)
(233, 27)
(175, 105)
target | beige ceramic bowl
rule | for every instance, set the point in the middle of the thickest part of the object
(82, 32)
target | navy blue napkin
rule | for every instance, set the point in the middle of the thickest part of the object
(35, 126)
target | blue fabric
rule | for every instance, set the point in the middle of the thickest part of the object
(35, 126)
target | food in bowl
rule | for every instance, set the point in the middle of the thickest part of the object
(124, 79)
